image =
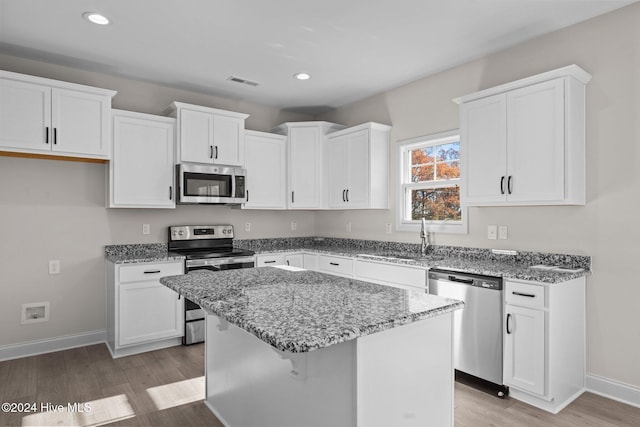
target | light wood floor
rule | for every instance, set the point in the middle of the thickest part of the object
(129, 392)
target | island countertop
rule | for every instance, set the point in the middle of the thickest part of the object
(300, 311)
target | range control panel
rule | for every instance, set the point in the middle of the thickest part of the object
(196, 232)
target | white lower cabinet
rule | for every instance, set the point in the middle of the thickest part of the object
(544, 342)
(524, 349)
(340, 266)
(142, 314)
(294, 260)
(290, 259)
(269, 260)
(398, 276)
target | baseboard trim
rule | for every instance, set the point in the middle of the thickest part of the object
(49, 345)
(614, 390)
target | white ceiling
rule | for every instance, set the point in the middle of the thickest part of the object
(352, 48)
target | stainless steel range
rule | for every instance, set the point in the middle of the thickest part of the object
(205, 247)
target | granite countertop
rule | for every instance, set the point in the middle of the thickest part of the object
(466, 260)
(489, 267)
(300, 311)
(133, 253)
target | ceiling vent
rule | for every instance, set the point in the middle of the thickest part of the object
(243, 81)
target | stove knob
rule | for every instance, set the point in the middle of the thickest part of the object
(180, 233)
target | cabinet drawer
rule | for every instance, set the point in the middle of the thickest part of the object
(267, 260)
(151, 271)
(335, 265)
(525, 294)
(391, 274)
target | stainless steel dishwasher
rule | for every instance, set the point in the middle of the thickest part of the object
(477, 341)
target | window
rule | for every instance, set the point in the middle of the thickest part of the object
(430, 183)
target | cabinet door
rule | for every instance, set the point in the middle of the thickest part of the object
(483, 137)
(25, 115)
(265, 161)
(310, 261)
(294, 260)
(81, 122)
(148, 311)
(524, 349)
(535, 128)
(358, 169)
(338, 171)
(304, 167)
(228, 136)
(142, 164)
(196, 136)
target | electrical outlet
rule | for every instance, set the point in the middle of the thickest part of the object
(349, 227)
(503, 232)
(387, 228)
(247, 226)
(146, 229)
(492, 232)
(294, 226)
(54, 266)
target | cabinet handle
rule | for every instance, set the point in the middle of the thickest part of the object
(211, 151)
(509, 184)
(170, 192)
(334, 263)
(508, 317)
(502, 185)
(270, 262)
(288, 262)
(347, 195)
(247, 196)
(520, 294)
(343, 196)
(179, 296)
(46, 137)
(216, 151)
(293, 198)
(55, 136)
(152, 271)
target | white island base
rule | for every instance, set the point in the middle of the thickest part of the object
(398, 377)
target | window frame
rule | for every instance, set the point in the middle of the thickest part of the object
(404, 184)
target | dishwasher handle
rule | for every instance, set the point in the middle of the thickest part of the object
(458, 280)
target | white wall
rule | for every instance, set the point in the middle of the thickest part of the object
(52, 209)
(606, 228)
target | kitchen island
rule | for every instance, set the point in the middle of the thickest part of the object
(301, 348)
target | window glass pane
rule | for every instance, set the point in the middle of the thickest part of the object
(450, 151)
(422, 173)
(422, 155)
(448, 170)
(436, 204)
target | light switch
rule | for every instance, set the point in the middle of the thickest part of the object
(503, 232)
(492, 232)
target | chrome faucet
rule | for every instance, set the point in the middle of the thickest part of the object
(424, 236)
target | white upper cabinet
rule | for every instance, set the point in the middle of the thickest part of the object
(208, 135)
(265, 160)
(523, 143)
(141, 172)
(43, 116)
(358, 169)
(305, 162)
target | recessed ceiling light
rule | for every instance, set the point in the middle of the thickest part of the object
(96, 18)
(302, 76)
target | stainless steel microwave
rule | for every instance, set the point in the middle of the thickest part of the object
(210, 184)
